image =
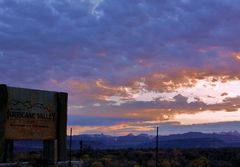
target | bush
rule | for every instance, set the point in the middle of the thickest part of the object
(97, 164)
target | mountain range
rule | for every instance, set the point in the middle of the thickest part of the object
(185, 140)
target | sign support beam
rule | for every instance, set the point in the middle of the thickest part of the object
(3, 111)
(50, 151)
(8, 152)
(62, 126)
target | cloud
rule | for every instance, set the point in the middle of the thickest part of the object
(64, 39)
(224, 94)
(164, 128)
(159, 110)
(108, 52)
(75, 120)
(236, 55)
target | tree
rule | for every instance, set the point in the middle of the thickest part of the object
(165, 163)
(200, 162)
(97, 164)
(136, 165)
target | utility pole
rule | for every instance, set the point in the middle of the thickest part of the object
(157, 148)
(70, 149)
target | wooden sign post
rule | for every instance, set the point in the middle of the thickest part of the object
(27, 114)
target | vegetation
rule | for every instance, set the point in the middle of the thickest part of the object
(209, 157)
(221, 157)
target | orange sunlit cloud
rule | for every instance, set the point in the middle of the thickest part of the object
(236, 55)
(117, 129)
(207, 93)
(197, 119)
(208, 101)
(207, 117)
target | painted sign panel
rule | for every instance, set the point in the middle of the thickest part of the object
(32, 114)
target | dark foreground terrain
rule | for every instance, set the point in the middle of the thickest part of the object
(198, 157)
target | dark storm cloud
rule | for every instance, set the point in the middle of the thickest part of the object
(64, 39)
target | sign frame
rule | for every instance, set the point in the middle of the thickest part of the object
(54, 147)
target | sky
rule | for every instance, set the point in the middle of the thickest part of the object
(128, 65)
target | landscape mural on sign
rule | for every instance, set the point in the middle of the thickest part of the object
(27, 110)
(31, 119)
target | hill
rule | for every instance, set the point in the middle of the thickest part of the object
(186, 140)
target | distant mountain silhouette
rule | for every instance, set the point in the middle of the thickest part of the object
(186, 140)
